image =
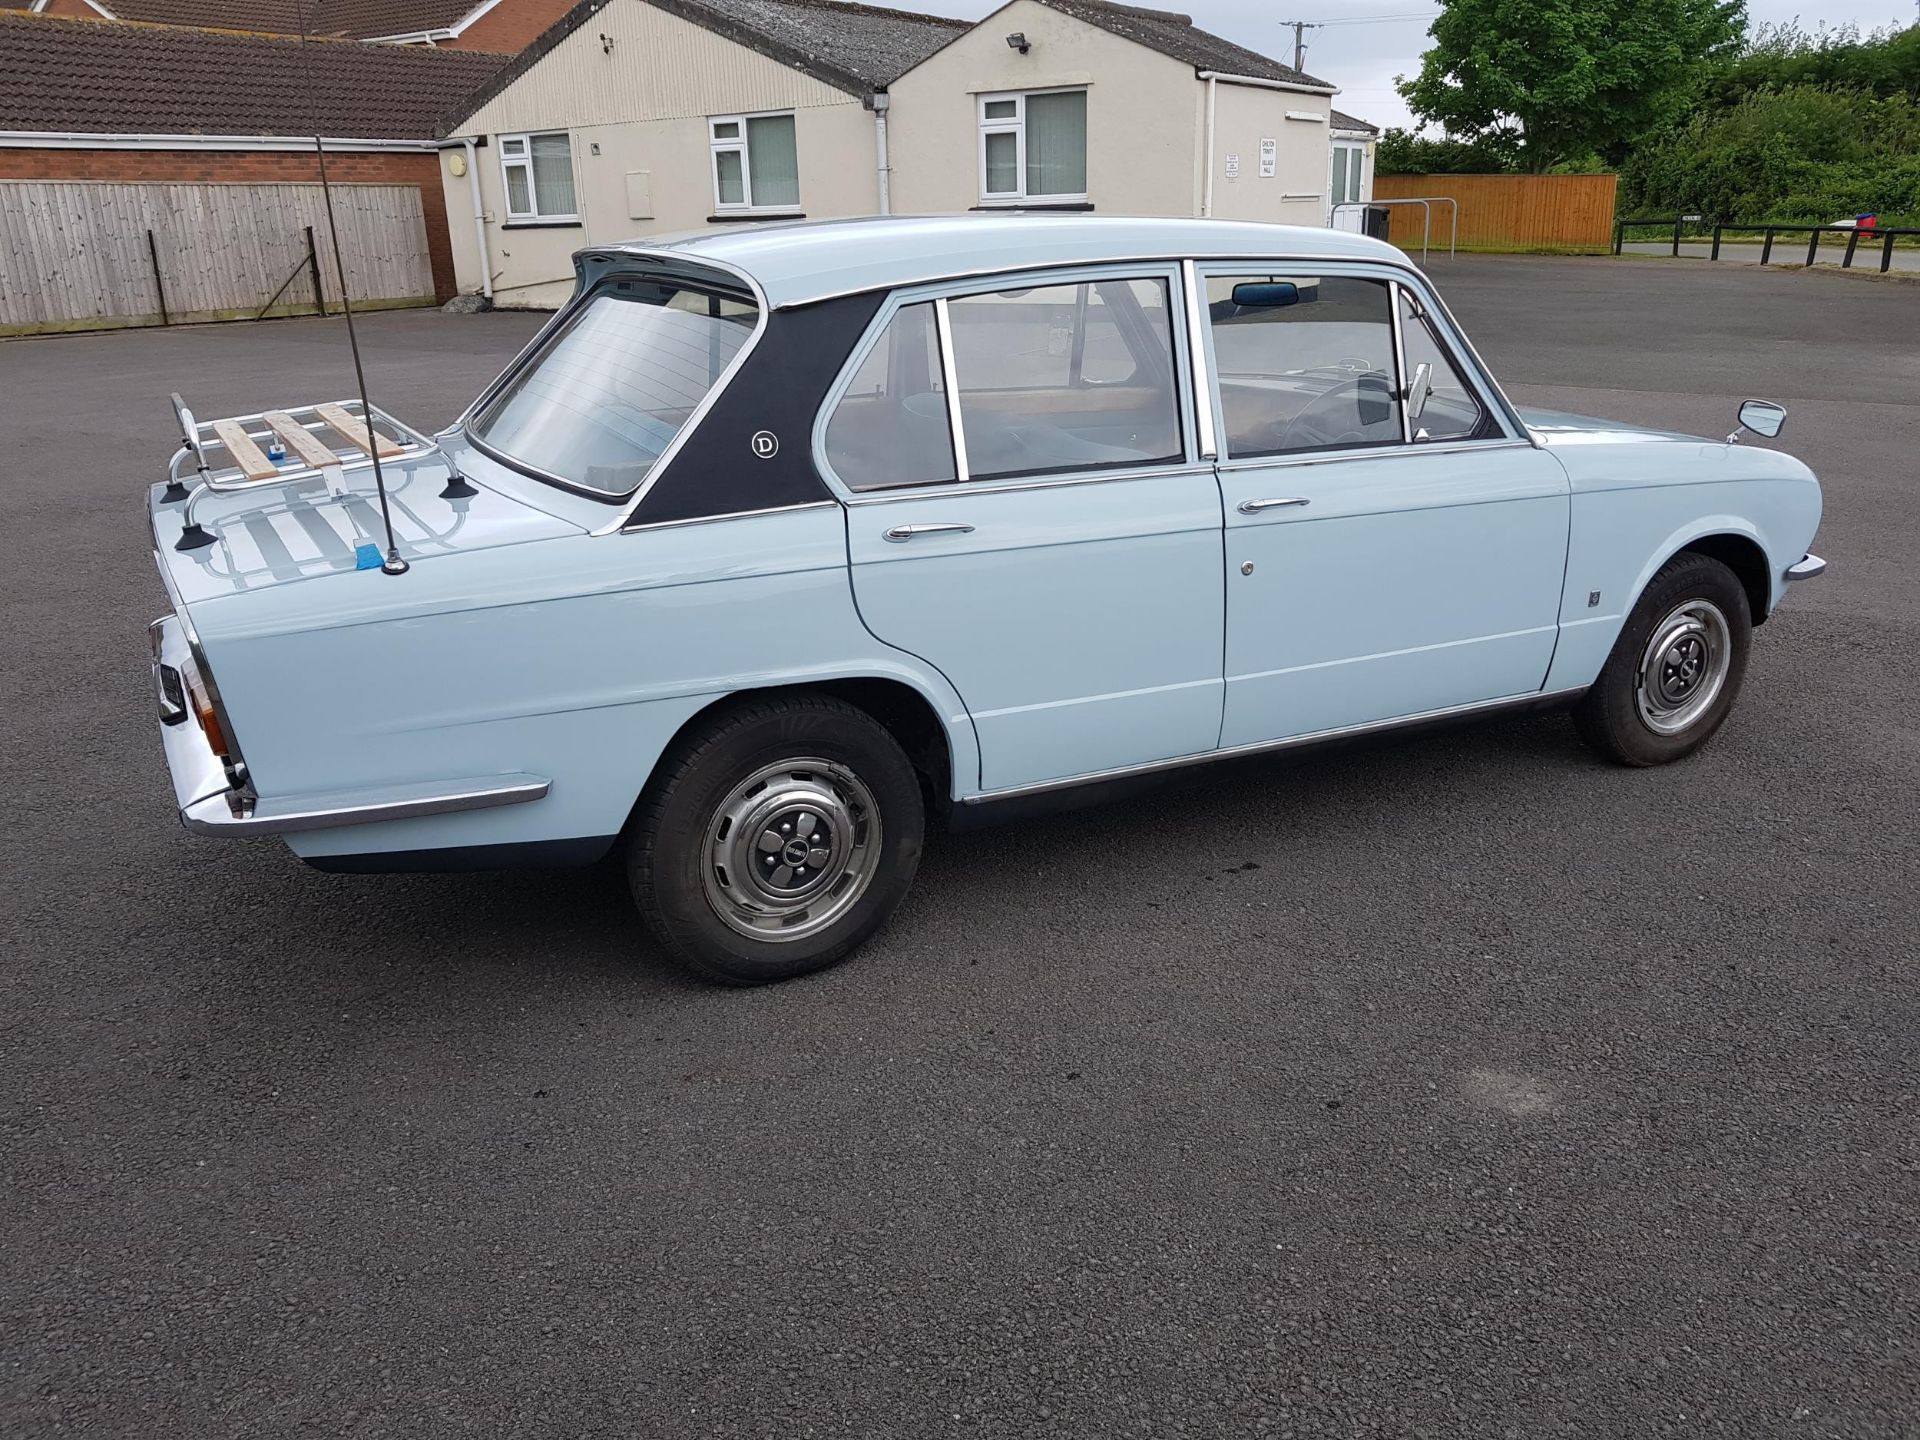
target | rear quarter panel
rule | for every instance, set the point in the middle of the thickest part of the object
(1639, 501)
(576, 658)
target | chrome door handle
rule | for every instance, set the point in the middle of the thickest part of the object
(907, 532)
(1254, 507)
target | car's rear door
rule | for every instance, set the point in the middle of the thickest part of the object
(1028, 511)
(1376, 567)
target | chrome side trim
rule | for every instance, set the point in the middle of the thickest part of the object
(943, 327)
(1200, 373)
(730, 515)
(1809, 567)
(1292, 742)
(231, 814)
(1403, 383)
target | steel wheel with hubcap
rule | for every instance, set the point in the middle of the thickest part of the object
(776, 838)
(1675, 670)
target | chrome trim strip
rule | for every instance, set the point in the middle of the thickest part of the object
(1809, 567)
(943, 327)
(1046, 482)
(729, 515)
(1292, 742)
(1403, 382)
(1371, 452)
(231, 814)
(1199, 373)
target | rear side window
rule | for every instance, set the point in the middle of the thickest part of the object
(891, 428)
(1303, 362)
(1452, 411)
(1066, 377)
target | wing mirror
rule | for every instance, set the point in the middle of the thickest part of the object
(1762, 417)
(1418, 389)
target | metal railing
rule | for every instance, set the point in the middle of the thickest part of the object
(1814, 233)
(1426, 203)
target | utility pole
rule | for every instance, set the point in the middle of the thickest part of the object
(1300, 28)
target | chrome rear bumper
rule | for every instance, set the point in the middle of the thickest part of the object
(211, 804)
(1809, 567)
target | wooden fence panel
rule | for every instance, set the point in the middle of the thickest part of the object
(73, 253)
(1507, 212)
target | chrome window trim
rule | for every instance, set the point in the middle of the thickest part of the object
(1403, 383)
(1371, 452)
(731, 515)
(956, 431)
(1291, 742)
(1199, 364)
(1038, 482)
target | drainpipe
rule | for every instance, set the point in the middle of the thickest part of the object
(479, 220)
(1206, 202)
(883, 169)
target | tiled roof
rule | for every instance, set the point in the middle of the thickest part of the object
(356, 19)
(856, 48)
(1176, 36)
(100, 76)
(1344, 121)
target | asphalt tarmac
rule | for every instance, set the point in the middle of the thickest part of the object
(1461, 1087)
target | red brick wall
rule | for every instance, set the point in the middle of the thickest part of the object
(419, 168)
(509, 27)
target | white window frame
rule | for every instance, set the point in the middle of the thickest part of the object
(1339, 148)
(524, 161)
(715, 145)
(1016, 125)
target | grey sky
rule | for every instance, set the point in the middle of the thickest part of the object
(1364, 50)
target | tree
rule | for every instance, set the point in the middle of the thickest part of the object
(1562, 79)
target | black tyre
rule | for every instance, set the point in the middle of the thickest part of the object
(1676, 669)
(775, 841)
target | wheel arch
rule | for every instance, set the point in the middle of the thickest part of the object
(1746, 558)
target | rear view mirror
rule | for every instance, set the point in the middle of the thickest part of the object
(1265, 294)
(1418, 389)
(1762, 417)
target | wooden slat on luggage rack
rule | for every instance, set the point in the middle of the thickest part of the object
(355, 430)
(304, 444)
(248, 456)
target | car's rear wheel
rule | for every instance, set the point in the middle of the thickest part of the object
(777, 839)
(1676, 669)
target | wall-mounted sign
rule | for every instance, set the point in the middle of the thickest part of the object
(1269, 155)
(1233, 166)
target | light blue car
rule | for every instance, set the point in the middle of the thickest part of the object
(778, 542)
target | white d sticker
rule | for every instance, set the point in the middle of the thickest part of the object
(766, 444)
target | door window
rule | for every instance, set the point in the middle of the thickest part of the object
(1303, 363)
(1066, 377)
(1452, 411)
(890, 428)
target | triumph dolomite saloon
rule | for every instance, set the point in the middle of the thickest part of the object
(775, 543)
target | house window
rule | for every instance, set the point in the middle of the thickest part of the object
(538, 170)
(1033, 146)
(756, 163)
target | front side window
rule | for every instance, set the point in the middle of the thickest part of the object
(1066, 377)
(1451, 411)
(756, 162)
(1033, 146)
(538, 171)
(1303, 362)
(600, 402)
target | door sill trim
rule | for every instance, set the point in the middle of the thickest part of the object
(1540, 700)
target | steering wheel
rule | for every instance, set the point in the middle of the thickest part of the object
(1318, 423)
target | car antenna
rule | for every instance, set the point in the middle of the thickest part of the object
(393, 564)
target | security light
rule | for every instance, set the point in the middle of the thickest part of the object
(1018, 41)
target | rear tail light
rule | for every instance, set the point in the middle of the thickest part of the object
(200, 699)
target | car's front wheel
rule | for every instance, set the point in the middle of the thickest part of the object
(1676, 669)
(778, 839)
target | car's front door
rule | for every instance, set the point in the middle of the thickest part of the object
(1027, 511)
(1377, 565)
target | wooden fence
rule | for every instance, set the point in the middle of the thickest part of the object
(1507, 212)
(76, 254)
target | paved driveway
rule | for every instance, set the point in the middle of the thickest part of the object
(1463, 1088)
